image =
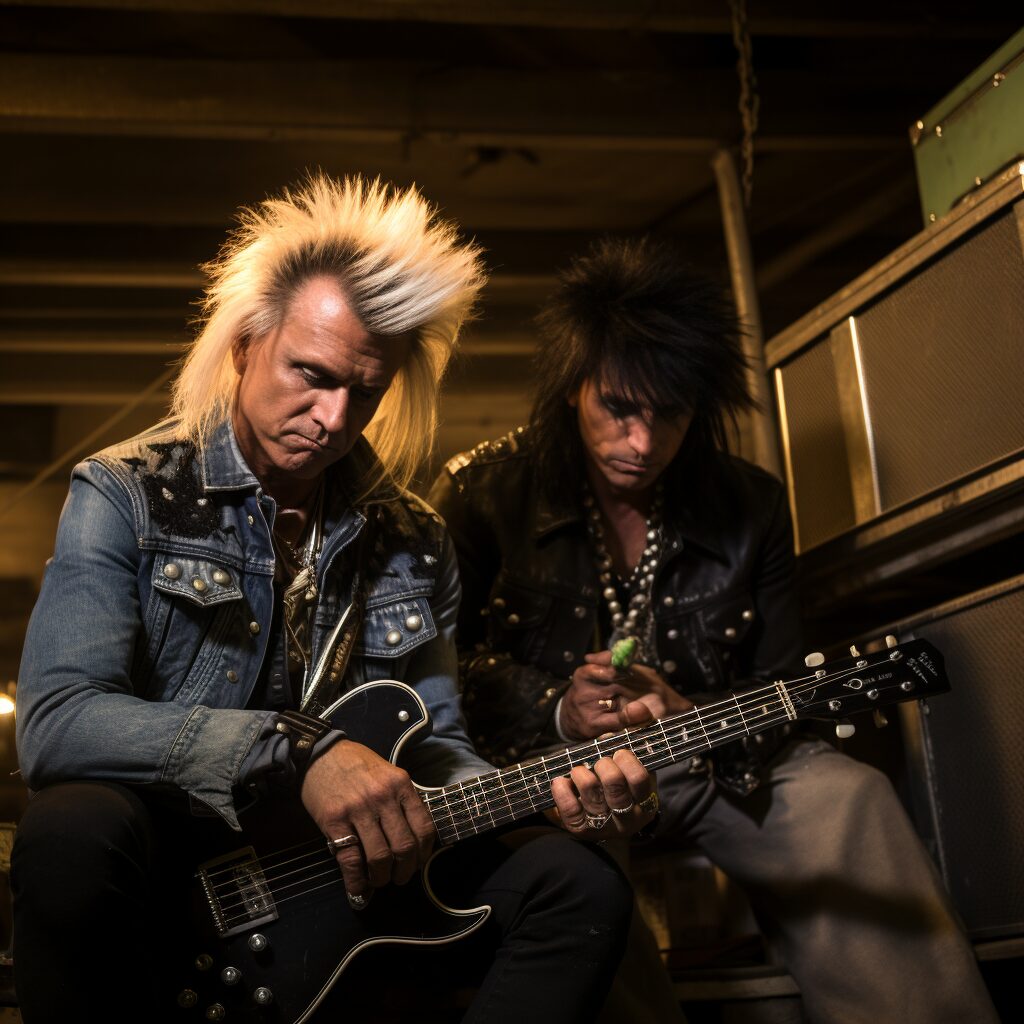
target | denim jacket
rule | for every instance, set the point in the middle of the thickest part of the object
(152, 625)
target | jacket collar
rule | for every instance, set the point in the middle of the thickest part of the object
(223, 467)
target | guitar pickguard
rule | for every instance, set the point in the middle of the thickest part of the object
(270, 931)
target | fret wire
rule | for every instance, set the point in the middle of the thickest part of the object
(700, 723)
(657, 746)
(479, 797)
(742, 720)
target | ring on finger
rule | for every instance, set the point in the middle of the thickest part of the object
(607, 702)
(580, 823)
(597, 821)
(650, 803)
(334, 845)
(622, 810)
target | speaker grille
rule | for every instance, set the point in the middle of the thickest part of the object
(943, 368)
(975, 756)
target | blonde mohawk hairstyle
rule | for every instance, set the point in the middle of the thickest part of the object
(404, 270)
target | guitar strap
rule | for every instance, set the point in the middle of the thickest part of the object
(326, 680)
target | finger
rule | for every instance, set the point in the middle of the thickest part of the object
(597, 673)
(598, 658)
(377, 854)
(402, 844)
(641, 711)
(570, 810)
(353, 868)
(617, 792)
(588, 785)
(422, 825)
(638, 779)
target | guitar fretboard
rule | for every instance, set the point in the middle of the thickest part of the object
(501, 797)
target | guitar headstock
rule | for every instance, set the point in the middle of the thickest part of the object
(911, 670)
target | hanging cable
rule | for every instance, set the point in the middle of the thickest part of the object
(749, 102)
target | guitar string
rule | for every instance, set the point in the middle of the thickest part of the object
(714, 731)
(273, 879)
(329, 867)
(674, 724)
(761, 698)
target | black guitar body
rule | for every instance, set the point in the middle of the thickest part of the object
(270, 929)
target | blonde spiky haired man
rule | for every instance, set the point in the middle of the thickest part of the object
(229, 590)
(402, 270)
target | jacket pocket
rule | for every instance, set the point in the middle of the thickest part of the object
(198, 580)
(393, 629)
(726, 624)
(195, 606)
(519, 619)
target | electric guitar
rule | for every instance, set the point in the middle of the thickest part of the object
(270, 931)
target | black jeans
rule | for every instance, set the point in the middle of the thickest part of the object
(88, 905)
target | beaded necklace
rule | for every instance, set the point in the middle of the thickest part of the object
(636, 619)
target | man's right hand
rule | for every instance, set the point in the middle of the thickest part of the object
(604, 699)
(351, 791)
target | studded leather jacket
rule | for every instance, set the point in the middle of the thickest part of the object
(725, 603)
(149, 659)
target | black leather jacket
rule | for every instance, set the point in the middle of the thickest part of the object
(726, 609)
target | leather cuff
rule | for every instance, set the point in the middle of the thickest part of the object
(303, 733)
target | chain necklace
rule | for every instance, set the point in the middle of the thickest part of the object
(299, 597)
(635, 619)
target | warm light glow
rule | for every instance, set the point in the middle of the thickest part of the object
(6, 704)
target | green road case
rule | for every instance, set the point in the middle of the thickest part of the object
(973, 133)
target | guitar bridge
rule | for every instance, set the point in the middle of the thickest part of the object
(237, 892)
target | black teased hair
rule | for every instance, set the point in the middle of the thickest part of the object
(655, 332)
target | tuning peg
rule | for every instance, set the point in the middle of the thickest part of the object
(814, 659)
(844, 730)
(880, 720)
(853, 651)
(891, 641)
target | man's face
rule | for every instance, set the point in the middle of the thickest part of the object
(309, 388)
(629, 447)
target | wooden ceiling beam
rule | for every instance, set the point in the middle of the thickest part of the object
(287, 101)
(811, 19)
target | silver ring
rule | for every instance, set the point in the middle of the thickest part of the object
(334, 845)
(597, 821)
(356, 902)
(622, 810)
(607, 702)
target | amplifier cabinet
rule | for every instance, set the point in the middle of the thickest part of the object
(966, 756)
(907, 383)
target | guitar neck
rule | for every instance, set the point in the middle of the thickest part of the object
(501, 797)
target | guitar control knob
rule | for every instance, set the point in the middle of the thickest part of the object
(204, 962)
(844, 730)
(258, 942)
(215, 1012)
(814, 659)
(231, 975)
(263, 996)
(187, 998)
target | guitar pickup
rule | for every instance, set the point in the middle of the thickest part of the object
(237, 892)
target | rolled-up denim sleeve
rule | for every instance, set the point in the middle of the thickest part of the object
(79, 716)
(447, 755)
